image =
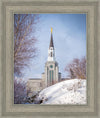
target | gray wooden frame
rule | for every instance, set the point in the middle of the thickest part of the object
(8, 8)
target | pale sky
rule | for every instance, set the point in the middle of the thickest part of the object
(69, 36)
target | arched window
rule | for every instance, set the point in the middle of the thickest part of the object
(51, 54)
(51, 77)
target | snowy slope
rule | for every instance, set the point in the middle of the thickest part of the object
(67, 92)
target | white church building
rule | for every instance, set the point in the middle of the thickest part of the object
(51, 73)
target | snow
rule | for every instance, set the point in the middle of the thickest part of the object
(66, 92)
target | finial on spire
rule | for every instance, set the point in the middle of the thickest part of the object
(51, 29)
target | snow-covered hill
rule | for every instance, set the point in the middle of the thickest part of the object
(67, 92)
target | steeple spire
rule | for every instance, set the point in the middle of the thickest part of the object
(51, 41)
(51, 51)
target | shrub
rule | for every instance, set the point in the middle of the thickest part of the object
(19, 91)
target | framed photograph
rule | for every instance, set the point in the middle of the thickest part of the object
(49, 59)
(62, 82)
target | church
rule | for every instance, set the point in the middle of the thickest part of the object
(51, 73)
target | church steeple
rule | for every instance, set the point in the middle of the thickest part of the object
(51, 41)
(51, 52)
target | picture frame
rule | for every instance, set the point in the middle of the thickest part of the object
(8, 108)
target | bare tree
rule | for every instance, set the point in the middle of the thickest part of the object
(72, 75)
(77, 68)
(24, 41)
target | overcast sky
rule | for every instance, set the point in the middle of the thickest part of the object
(69, 36)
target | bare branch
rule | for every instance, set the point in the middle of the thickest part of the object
(24, 43)
(77, 68)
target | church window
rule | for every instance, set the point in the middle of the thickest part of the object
(47, 76)
(51, 77)
(51, 54)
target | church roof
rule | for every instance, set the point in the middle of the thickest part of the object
(34, 78)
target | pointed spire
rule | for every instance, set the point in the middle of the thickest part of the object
(51, 41)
